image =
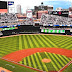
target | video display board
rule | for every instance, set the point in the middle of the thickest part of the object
(3, 7)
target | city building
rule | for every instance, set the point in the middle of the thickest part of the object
(39, 13)
(58, 9)
(43, 7)
(39, 10)
(50, 7)
(19, 9)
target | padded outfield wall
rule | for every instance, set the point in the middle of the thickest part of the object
(30, 29)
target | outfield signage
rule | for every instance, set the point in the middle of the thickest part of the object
(52, 31)
(9, 28)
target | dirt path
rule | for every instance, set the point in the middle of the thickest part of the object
(18, 55)
(36, 34)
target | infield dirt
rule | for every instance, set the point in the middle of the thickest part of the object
(19, 55)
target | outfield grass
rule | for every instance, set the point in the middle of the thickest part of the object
(11, 44)
(17, 68)
(35, 61)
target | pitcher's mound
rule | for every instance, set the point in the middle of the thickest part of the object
(45, 60)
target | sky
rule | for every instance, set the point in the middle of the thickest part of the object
(31, 3)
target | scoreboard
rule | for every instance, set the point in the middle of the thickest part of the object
(3, 7)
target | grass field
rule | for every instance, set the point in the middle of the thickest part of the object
(17, 68)
(35, 61)
(12, 44)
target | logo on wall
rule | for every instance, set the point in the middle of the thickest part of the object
(10, 3)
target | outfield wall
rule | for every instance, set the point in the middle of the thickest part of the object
(30, 29)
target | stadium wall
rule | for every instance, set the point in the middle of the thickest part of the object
(30, 29)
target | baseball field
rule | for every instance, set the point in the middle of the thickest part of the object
(39, 52)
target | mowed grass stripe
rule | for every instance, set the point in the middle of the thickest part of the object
(33, 61)
(59, 42)
(29, 62)
(58, 39)
(37, 60)
(60, 61)
(40, 61)
(50, 41)
(55, 60)
(69, 46)
(8, 51)
(24, 61)
(64, 61)
(67, 59)
(53, 39)
(44, 41)
(2, 52)
(35, 41)
(23, 37)
(5, 52)
(43, 64)
(20, 43)
(38, 41)
(64, 40)
(65, 44)
(30, 42)
(25, 42)
(54, 65)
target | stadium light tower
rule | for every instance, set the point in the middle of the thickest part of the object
(42, 6)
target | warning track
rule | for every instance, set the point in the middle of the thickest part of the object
(19, 55)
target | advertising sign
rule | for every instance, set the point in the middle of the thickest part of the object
(11, 7)
(9, 28)
(11, 3)
(29, 13)
(52, 31)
